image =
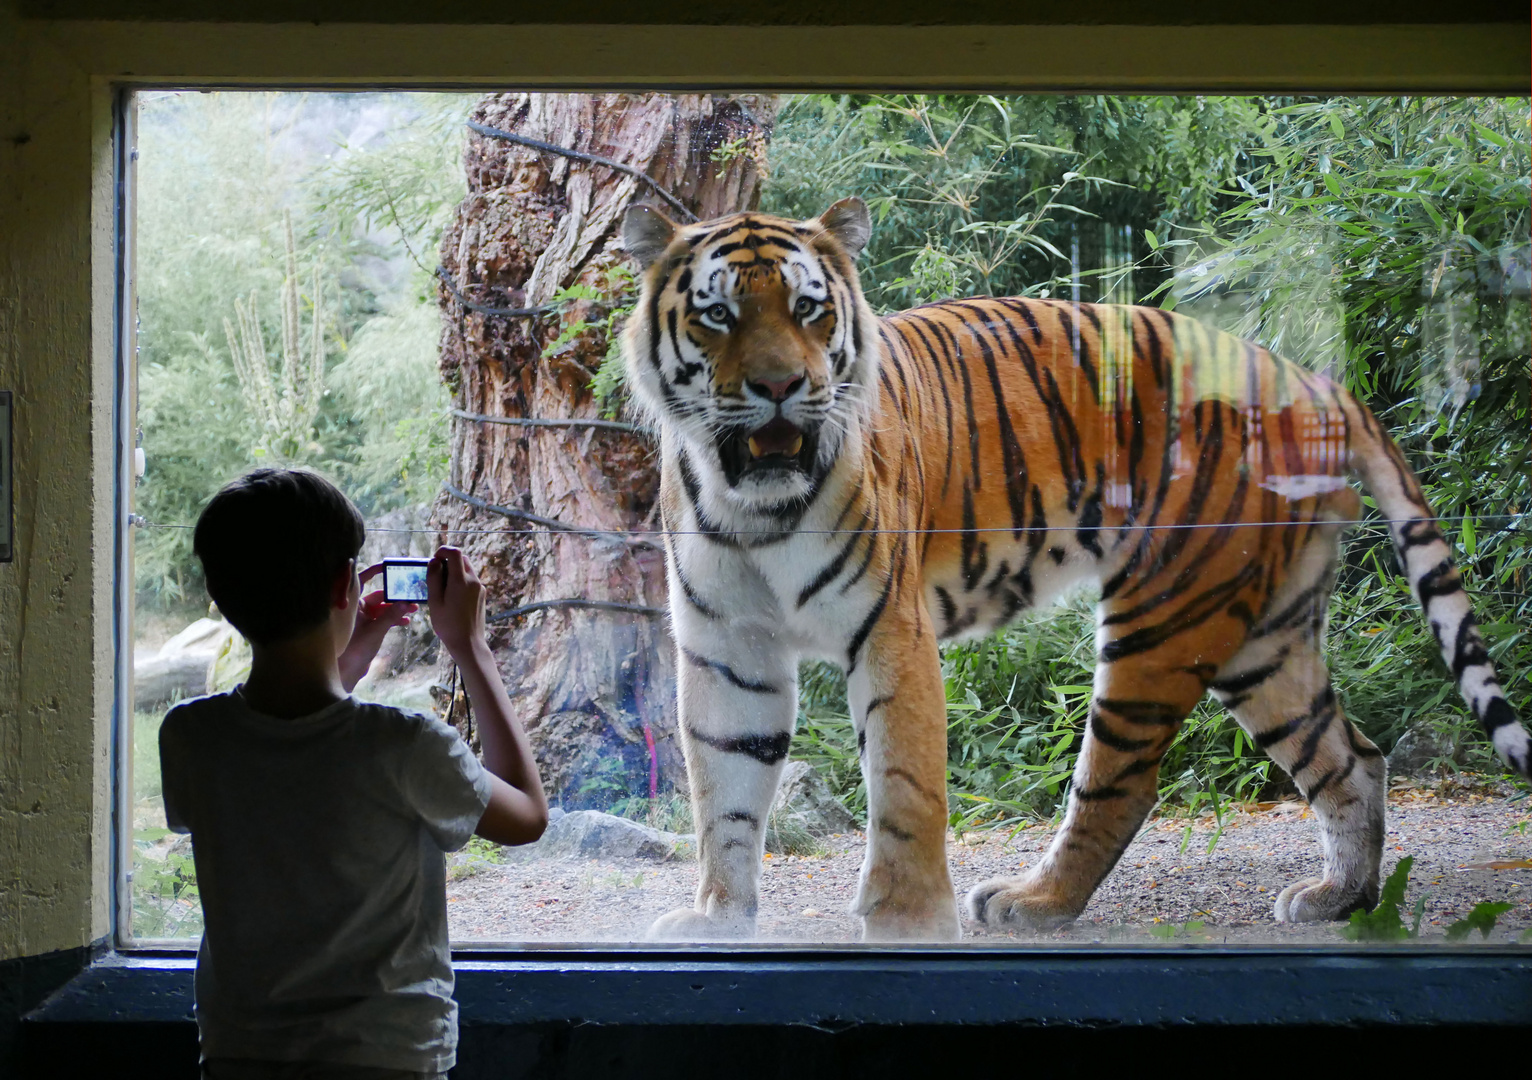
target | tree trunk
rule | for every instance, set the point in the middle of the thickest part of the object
(595, 688)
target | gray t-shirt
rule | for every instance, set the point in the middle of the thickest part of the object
(319, 849)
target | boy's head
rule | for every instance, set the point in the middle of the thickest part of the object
(273, 544)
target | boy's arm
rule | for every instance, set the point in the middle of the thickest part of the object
(374, 618)
(172, 774)
(518, 810)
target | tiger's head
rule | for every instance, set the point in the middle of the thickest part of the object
(752, 343)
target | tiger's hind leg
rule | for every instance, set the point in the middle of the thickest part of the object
(1159, 641)
(1278, 688)
(1138, 705)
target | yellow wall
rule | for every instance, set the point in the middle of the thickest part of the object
(56, 273)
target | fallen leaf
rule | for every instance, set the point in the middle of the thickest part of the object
(1498, 864)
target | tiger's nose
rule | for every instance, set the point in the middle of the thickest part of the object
(777, 389)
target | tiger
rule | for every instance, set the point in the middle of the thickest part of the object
(840, 486)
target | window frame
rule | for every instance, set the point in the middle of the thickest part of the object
(1111, 985)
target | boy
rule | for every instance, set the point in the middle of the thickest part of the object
(319, 822)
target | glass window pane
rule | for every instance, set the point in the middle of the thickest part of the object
(1247, 348)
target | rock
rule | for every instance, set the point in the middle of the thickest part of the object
(179, 669)
(1417, 747)
(803, 794)
(402, 533)
(591, 834)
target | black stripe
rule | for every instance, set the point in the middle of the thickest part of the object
(832, 570)
(858, 638)
(895, 831)
(1102, 733)
(1196, 612)
(741, 815)
(727, 672)
(872, 544)
(1441, 580)
(1323, 718)
(1013, 460)
(909, 778)
(693, 492)
(1418, 532)
(975, 552)
(1099, 794)
(1249, 680)
(1353, 739)
(1468, 651)
(767, 749)
(1159, 713)
(1325, 699)
(1497, 714)
(1088, 527)
(691, 593)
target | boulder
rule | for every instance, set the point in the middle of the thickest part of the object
(179, 669)
(591, 834)
(803, 795)
(1418, 747)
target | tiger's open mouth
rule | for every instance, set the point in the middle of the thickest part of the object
(779, 445)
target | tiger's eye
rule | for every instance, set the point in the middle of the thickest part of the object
(805, 305)
(718, 313)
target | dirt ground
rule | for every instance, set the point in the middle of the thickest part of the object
(1167, 883)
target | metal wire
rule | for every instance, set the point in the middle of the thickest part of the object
(485, 309)
(535, 421)
(560, 527)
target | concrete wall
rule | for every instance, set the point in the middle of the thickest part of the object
(56, 656)
(57, 268)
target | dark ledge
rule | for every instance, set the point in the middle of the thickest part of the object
(833, 990)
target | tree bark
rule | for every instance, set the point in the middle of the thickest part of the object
(595, 688)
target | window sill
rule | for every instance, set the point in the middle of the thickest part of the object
(837, 989)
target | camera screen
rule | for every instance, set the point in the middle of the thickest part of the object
(404, 581)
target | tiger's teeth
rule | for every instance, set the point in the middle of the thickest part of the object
(796, 446)
(755, 447)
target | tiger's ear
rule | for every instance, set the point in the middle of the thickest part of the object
(849, 222)
(646, 233)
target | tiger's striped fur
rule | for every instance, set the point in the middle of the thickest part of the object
(856, 489)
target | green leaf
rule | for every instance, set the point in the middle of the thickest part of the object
(1482, 918)
(1154, 241)
(1383, 923)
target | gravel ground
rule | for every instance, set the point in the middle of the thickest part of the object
(1167, 879)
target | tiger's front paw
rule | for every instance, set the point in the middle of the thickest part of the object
(1318, 900)
(1018, 904)
(689, 924)
(885, 922)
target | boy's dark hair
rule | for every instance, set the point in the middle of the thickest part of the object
(271, 544)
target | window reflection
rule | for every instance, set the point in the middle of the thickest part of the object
(1379, 244)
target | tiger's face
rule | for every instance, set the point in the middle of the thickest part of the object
(752, 342)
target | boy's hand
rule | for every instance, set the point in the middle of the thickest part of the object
(518, 810)
(456, 603)
(375, 617)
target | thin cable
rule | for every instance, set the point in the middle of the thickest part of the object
(552, 525)
(560, 527)
(532, 421)
(485, 309)
(574, 602)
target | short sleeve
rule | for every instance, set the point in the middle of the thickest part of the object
(173, 771)
(445, 784)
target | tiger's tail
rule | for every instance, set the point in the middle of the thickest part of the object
(1426, 558)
